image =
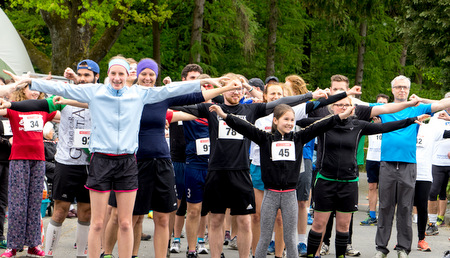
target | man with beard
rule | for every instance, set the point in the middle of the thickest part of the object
(72, 159)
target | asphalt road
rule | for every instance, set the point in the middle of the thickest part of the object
(363, 237)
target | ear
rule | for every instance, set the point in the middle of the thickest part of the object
(275, 120)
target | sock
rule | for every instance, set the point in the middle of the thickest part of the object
(341, 243)
(82, 238)
(313, 242)
(200, 239)
(415, 217)
(302, 238)
(441, 217)
(52, 237)
(177, 239)
(432, 218)
(273, 236)
(373, 214)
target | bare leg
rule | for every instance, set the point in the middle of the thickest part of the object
(256, 225)
(125, 205)
(99, 202)
(216, 234)
(161, 235)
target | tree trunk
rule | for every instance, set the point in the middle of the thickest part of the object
(361, 52)
(272, 38)
(156, 32)
(403, 58)
(196, 34)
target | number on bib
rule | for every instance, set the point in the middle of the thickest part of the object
(202, 146)
(283, 150)
(81, 138)
(33, 122)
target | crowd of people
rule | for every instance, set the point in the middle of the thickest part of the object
(231, 159)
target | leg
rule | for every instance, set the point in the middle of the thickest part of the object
(279, 240)
(99, 201)
(33, 231)
(84, 220)
(112, 227)
(290, 214)
(137, 232)
(192, 224)
(216, 234)
(342, 227)
(317, 229)
(161, 233)
(61, 208)
(256, 226)
(269, 207)
(373, 196)
(245, 235)
(125, 204)
(4, 174)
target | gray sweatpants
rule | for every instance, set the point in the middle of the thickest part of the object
(287, 202)
(396, 187)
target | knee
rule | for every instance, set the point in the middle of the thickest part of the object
(373, 186)
(96, 225)
(84, 214)
(193, 212)
(125, 225)
(302, 205)
(256, 218)
(59, 214)
(161, 220)
(244, 223)
(139, 220)
(279, 219)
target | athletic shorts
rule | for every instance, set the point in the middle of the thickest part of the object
(338, 196)
(117, 173)
(304, 181)
(195, 184)
(69, 181)
(441, 175)
(373, 171)
(229, 189)
(255, 173)
(156, 187)
(179, 168)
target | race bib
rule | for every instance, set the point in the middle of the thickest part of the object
(202, 146)
(7, 128)
(33, 122)
(283, 150)
(81, 138)
(226, 132)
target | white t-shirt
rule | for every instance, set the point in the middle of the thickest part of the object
(427, 138)
(374, 148)
(442, 147)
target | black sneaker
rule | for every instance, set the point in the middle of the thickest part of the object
(191, 255)
(432, 229)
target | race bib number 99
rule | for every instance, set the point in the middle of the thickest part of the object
(202, 146)
(81, 138)
(226, 132)
(33, 122)
(283, 150)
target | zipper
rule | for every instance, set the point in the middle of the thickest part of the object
(118, 123)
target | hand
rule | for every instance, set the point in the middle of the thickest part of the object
(319, 94)
(348, 112)
(415, 97)
(14, 77)
(218, 110)
(59, 100)
(19, 81)
(4, 104)
(376, 119)
(443, 115)
(413, 102)
(421, 118)
(232, 85)
(356, 90)
(167, 80)
(216, 82)
(49, 76)
(71, 75)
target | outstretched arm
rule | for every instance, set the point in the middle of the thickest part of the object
(26, 105)
(310, 106)
(182, 116)
(392, 107)
(62, 101)
(374, 128)
(440, 105)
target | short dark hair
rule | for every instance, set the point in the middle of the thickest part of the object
(191, 68)
(2, 79)
(381, 95)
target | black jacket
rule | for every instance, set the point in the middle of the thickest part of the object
(280, 175)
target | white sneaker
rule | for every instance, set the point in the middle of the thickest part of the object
(351, 251)
(201, 248)
(380, 254)
(233, 244)
(175, 247)
(402, 254)
(325, 249)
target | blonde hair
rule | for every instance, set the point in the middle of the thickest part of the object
(119, 56)
(19, 95)
(298, 84)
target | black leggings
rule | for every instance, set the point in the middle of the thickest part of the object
(421, 202)
(441, 175)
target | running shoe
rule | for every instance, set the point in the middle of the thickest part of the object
(222, 255)
(351, 251)
(369, 222)
(440, 221)
(402, 254)
(191, 255)
(447, 254)
(35, 252)
(145, 237)
(175, 247)
(9, 253)
(271, 248)
(432, 229)
(3, 244)
(310, 219)
(233, 244)
(201, 248)
(380, 254)
(423, 246)
(227, 238)
(302, 251)
(325, 249)
(106, 256)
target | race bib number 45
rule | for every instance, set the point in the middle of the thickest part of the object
(81, 138)
(33, 122)
(283, 150)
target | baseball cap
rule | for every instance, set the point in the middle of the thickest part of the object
(272, 78)
(256, 82)
(90, 65)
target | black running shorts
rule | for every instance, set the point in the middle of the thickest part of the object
(69, 181)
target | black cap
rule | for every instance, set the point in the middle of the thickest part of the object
(256, 82)
(272, 78)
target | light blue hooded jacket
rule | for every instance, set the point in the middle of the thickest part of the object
(115, 114)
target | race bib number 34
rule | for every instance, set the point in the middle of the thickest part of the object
(33, 122)
(226, 132)
(81, 138)
(283, 150)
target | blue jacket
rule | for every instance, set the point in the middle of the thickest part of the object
(115, 114)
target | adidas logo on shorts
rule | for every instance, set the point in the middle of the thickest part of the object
(249, 207)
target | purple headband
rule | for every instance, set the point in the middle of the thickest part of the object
(147, 63)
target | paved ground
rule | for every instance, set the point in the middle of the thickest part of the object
(363, 237)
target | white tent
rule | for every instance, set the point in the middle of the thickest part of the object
(13, 55)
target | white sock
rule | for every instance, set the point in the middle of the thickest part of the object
(82, 238)
(308, 209)
(302, 238)
(273, 236)
(432, 217)
(52, 237)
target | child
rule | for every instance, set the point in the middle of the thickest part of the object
(281, 155)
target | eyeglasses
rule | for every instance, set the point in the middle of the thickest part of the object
(401, 87)
(342, 105)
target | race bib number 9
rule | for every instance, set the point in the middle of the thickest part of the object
(226, 132)
(202, 146)
(81, 138)
(283, 150)
(33, 122)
